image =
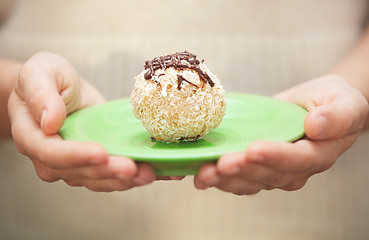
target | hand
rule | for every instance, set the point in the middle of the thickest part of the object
(336, 114)
(48, 89)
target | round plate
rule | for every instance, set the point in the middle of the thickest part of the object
(248, 118)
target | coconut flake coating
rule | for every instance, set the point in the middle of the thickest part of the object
(173, 110)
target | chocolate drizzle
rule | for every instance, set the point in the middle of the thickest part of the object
(181, 79)
(179, 61)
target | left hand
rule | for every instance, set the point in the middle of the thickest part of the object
(337, 112)
(48, 88)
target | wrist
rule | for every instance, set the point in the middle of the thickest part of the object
(8, 78)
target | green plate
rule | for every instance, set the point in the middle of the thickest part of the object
(248, 118)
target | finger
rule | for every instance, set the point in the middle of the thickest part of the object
(52, 88)
(45, 173)
(60, 154)
(73, 183)
(231, 163)
(104, 185)
(207, 176)
(296, 184)
(123, 167)
(239, 186)
(40, 82)
(56, 153)
(51, 150)
(335, 108)
(332, 122)
(145, 174)
(49, 111)
(46, 108)
(300, 157)
(251, 171)
(119, 167)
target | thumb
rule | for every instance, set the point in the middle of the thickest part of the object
(336, 109)
(41, 80)
(46, 107)
(49, 109)
(328, 122)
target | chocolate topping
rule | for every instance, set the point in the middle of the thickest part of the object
(181, 79)
(180, 61)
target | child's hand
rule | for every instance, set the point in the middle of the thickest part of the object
(48, 89)
(337, 112)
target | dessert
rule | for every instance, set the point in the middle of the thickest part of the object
(177, 98)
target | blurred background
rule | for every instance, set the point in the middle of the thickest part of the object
(253, 46)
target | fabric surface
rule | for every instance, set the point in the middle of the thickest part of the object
(253, 46)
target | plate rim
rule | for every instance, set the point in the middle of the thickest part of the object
(188, 157)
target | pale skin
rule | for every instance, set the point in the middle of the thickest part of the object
(338, 111)
(46, 88)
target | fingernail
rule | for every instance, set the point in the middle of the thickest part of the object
(43, 117)
(321, 125)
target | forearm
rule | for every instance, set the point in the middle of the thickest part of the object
(8, 76)
(355, 67)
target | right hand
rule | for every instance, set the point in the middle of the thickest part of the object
(47, 90)
(337, 112)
